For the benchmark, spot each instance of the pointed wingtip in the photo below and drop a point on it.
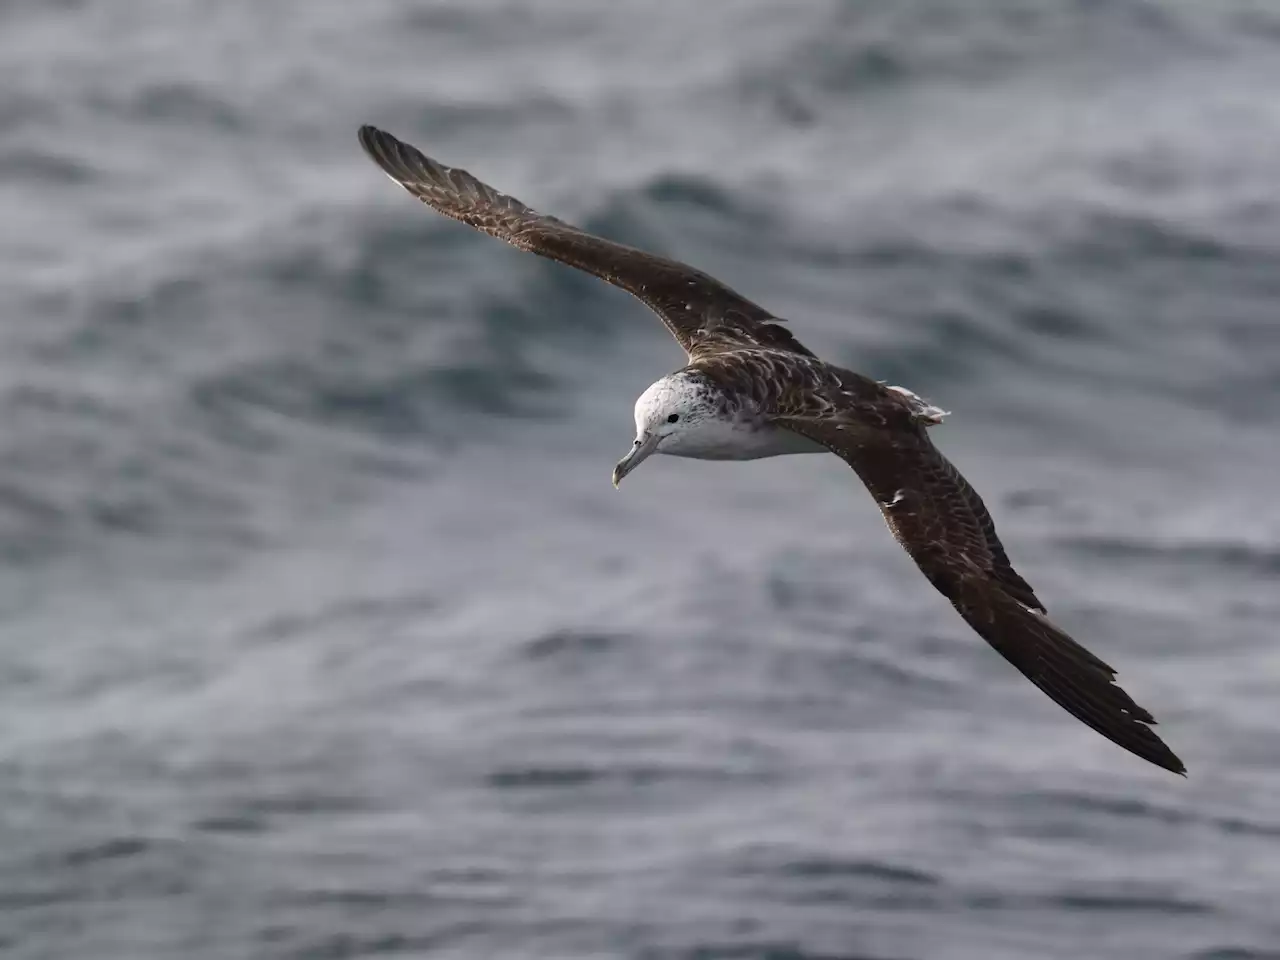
(1165, 758)
(1072, 676)
(370, 137)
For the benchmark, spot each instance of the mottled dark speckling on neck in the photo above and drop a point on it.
(721, 396)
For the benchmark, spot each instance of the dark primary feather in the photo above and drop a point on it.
(703, 314)
(943, 525)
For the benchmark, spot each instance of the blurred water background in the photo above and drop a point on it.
(324, 634)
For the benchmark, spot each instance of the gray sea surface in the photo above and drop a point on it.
(324, 635)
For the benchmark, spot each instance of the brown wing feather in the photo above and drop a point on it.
(703, 314)
(943, 525)
(845, 406)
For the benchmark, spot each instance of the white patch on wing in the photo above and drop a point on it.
(922, 409)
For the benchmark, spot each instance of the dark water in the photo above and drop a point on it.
(324, 634)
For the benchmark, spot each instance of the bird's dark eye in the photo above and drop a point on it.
(673, 418)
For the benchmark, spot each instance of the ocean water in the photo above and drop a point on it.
(324, 635)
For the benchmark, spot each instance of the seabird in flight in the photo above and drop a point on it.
(751, 390)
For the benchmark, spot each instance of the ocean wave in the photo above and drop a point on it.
(1246, 558)
(301, 573)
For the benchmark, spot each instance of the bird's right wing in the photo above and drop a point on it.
(941, 522)
(703, 314)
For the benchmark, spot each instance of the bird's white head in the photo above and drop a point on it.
(668, 416)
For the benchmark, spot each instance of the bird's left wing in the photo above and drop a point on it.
(703, 314)
(942, 523)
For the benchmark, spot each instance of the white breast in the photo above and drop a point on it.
(714, 439)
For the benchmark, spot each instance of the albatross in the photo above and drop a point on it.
(750, 389)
